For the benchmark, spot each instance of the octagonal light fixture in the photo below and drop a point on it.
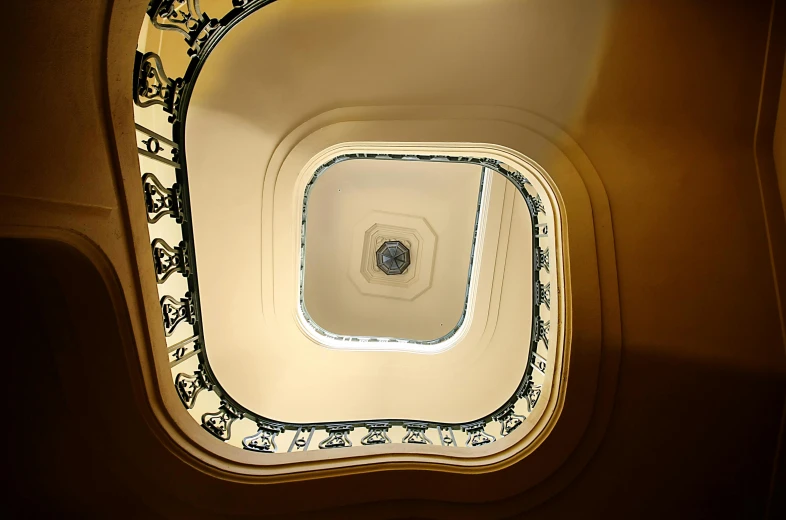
(393, 257)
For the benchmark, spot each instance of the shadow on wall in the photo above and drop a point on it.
(670, 130)
(682, 444)
(78, 445)
(69, 436)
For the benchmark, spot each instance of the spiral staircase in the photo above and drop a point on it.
(430, 259)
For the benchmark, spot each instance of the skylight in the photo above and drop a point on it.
(358, 208)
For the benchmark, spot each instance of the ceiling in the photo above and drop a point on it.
(258, 348)
(247, 225)
(357, 205)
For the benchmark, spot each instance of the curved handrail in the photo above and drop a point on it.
(154, 87)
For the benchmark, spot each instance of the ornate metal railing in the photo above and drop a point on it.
(170, 202)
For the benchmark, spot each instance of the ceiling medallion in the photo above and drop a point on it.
(393, 257)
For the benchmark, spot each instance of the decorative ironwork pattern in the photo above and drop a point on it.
(160, 201)
(508, 420)
(338, 437)
(183, 350)
(302, 439)
(264, 440)
(541, 327)
(177, 312)
(476, 434)
(530, 393)
(538, 363)
(189, 386)
(542, 259)
(152, 87)
(377, 434)
(185, 17)
(543, 295)
(168, 259)
(537, 204)
(446, 436)
(416, 434)
(220, 423)
(155, 146)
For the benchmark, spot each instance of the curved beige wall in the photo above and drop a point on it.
(270, 366)
(242, 109)
(431, 205)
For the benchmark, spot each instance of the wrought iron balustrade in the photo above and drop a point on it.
(170, 202)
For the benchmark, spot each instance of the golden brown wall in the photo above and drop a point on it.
(779, 141)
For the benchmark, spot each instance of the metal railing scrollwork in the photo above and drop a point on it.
(170, 202)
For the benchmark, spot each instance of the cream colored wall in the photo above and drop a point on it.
(269, 365)
(360, 59)
(445, 196)
(242, 142)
